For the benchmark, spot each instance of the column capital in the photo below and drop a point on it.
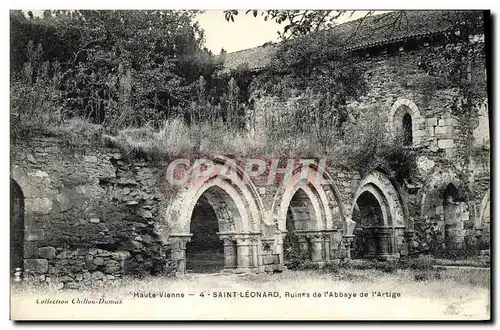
(179, 237)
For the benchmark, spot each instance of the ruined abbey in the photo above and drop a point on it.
(93, 213)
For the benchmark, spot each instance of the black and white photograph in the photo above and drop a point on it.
(250, 164)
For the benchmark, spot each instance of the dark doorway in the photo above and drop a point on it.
(451, 209)
(300, 214)
(368, 216)
(205, 252)
(16, 226)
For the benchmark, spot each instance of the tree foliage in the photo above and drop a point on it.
(119, 68)
(300, 23)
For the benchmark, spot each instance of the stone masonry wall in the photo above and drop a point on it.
(88, 212)
(443, 140)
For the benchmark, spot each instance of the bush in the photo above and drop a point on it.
(35, 105)
(421, 263)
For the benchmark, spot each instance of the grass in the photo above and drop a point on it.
(177, 139)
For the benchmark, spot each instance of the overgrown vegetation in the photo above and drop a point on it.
(147, 79)
(118, 69)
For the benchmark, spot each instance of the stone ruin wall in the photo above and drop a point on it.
(89, 213)
(444, 141)
(92, 214)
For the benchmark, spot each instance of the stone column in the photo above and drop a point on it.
(327, 238)
(178, 251)
(346, 241)
(257, 264)
(408, 236)
(370, 242)
(303, 246)
(383, 237)
(243, 253)
(316, 247)
(229, 253)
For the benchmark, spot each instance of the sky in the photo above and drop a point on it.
(245, 32)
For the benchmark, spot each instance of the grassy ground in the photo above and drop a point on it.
(453, 294)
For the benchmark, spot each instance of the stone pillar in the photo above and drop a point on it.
(178, 251)
(229, 253)
(347, 240)
(316, 248)
(370, 242)
(327, 239)
(383, 237)
(243, 253)
(408, 236)
(303, 246)
(257, 262)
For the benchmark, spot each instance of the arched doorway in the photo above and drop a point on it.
(300, 218)
(16, 226)
(374, 233)
(205, 251)
(454, 212)
(214, 216)
(369, 217)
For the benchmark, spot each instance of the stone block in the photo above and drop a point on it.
(37, 266)
(451, 122)
(98, 261)
(430, 131)
(121, 255)
(30, 250)
(97, 275)
(439, 130)
(432, 121)
(38, 205)
(34, 234)
(446, 143)
(450, 153)
(90, 158)
(64, 202)
(442, 122)
(112, 266)
(47, 252)
(31, 158)
(419, 133)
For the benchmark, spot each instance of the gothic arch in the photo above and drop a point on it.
(388, 195)
(485, 210)
(238, 194)
(323, 201)
(375, 191)
(433, 191)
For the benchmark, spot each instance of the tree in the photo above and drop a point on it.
(119, 68)
(299, 23)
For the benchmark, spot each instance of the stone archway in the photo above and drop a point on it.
(443, 205)
(482, 226)
(453, 210)
(16, 226)
(304, 216)
(310, 201)
(214, 213)
(380, 216)
(236, 207)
